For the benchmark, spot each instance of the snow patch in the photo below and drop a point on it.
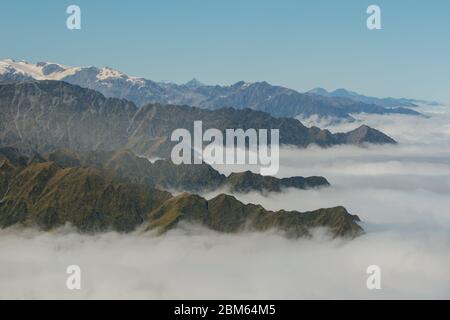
(35, 71)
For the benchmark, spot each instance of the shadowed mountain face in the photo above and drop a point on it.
(276, 100)
(49, 115)
(46, 195)
(42, 115)
(164, 119)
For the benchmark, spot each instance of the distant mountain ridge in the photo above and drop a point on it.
(49, 115)
(262, 96)
(384, 102)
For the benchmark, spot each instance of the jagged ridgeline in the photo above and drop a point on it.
(44, 116)
(164, 174)
(262, 96)
(92, 193)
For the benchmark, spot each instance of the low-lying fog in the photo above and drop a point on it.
(401, 193)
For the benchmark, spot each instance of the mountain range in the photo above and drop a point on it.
(164, 174)
(68, 154)
(261, 96)
(383, 102)
(43, 116)
(37, 192)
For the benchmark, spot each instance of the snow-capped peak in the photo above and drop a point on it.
(106, 72)
(38, 71)
(11, 69)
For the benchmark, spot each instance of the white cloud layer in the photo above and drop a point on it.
(402, 194)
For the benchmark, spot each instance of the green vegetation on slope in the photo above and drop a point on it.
(47, 195)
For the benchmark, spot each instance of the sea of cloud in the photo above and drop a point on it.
(401, 193)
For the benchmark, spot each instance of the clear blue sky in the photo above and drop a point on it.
(294, 43)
